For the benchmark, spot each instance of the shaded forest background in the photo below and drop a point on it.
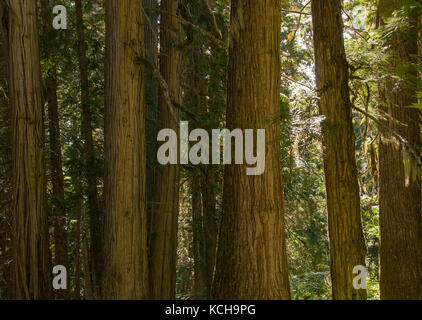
(187, 62)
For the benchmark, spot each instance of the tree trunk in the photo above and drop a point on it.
(95, 217)
(166, 196)
(126, 271)
(252, 262)
(58, 204)
(200, 275)
(55, 159)
(31, 272)
(88, 294)
(210, 226)
(78, 250)
(347, 243)
(400, 179)
(5, 165)
(151, 48)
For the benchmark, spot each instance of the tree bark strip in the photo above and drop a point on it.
(31, 272)
(126, 271)
(5, 163)
(399, 177)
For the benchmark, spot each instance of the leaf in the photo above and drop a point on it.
(290, 36)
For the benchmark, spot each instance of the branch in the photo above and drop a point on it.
(157, 75)
(209, 34)
(402, 140)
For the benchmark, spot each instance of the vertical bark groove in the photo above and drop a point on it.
(126, 271)
(30, 231)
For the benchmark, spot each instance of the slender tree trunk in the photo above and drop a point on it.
(78, 250)
(151, 48)
(95, 216)
(5, 167)
(210, 226)
(31, 272)
(166, 196)
(58, 204)
(126, 271)
(55, 159)
(400, 179)
(252, 262)
(88, 294)
(347, 244)
(200, 275)
(208, 183)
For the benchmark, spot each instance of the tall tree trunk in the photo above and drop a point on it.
(55, 159)
(95, 216)
(126, 271)
(208, 182)
(88, 294)
(210, 226)
(5, 164)
(400, 179)
(58, 204)
(347, 243)
(151, 48)
(78, 250)
(252, 262)
(31, 272)
(200, 275)
(166, 195)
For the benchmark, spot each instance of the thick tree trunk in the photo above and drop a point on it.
(347, 243)
(95, 216)
(252, 262)
(31, 272)
(126, 271)
(400, 179)
(166, 195)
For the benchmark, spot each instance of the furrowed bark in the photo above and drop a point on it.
(126, 271)
(251, 260)
(31, 272)
(399, 177)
